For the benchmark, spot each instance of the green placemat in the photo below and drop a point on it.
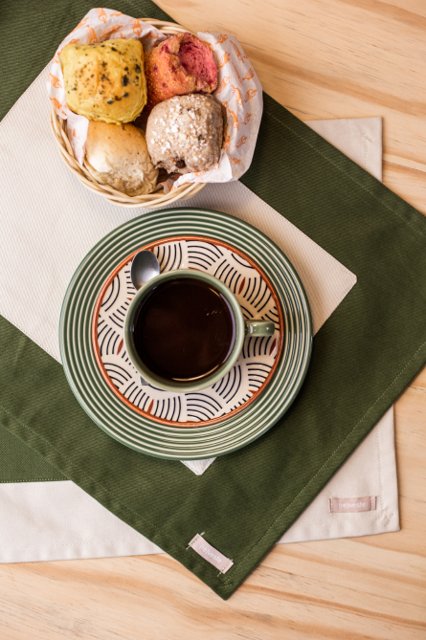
(364, 356)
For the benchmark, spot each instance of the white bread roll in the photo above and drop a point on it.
(117, 155)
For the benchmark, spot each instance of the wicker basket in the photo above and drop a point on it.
(151, 200)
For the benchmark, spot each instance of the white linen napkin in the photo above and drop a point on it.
(49, 222)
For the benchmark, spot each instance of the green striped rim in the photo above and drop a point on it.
(139, 432)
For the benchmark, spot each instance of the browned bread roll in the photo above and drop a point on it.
(105, 81)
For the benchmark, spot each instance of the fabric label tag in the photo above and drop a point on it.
(352, 505)
(210, 553)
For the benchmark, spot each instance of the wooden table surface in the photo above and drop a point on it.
(320, 59)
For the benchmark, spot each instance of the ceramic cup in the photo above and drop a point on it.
(241, 329)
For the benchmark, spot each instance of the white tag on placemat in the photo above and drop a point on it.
(210, 554)
(352, 505)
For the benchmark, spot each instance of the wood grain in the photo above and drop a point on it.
(328, 59)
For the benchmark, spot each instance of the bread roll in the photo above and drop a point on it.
(185, 133)
(117, 155)
(105, 81)
(180, 64)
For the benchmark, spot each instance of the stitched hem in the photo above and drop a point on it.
(32, 480)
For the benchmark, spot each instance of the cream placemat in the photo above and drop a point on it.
(50, 221)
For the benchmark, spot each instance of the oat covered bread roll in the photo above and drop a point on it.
(116, 154)
(180, 64)
(185, 133)
(105, 81)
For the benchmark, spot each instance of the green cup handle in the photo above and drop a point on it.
(259, 328)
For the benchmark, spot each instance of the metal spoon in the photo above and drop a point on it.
(144, 267)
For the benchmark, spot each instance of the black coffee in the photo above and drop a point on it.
(183, 330)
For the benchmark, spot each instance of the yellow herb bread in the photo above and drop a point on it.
(105, 81)
(117, 155)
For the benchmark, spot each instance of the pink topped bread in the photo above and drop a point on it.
(180, 64)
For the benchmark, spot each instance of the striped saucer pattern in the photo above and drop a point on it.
(245, 380)
(119, 419)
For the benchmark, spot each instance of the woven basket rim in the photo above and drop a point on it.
(153, 200)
